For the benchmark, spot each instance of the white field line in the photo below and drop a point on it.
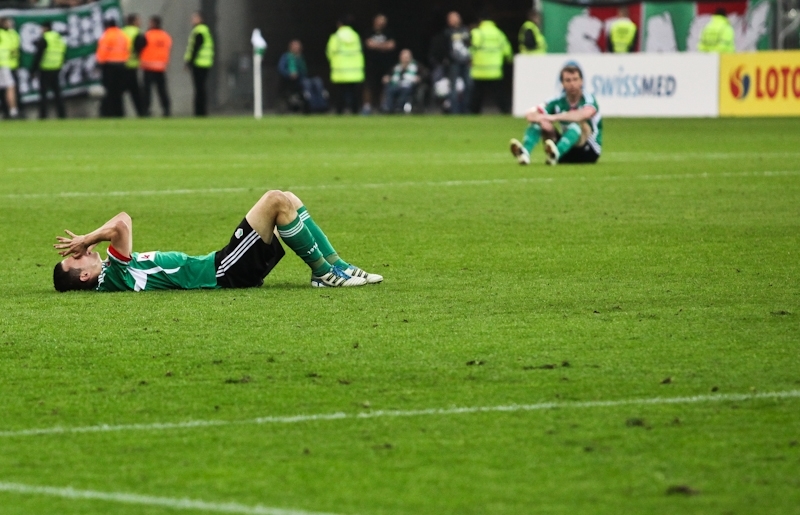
(407, 184)
(148, 500)
(191, 424)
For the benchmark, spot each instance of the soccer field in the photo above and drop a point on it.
(618, 338)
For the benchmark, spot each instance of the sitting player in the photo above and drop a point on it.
(252, 253)
(581, 125)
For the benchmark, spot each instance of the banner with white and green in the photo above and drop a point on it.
(664, 26)
(81, 27)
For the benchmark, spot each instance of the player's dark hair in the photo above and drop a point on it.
(131, 18)
(156, 21)
(68, 280)
(110, 22)
(721, 11)
(46, 25)
(571, 68)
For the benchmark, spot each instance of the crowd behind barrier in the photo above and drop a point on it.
(465, 67)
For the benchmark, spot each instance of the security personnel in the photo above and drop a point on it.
(12, 43)
(622, 34)
(113, 51)
(49, 58)
(7, 82)
(490, 49)
(154, 60)
(718, 35)
(199, 57)
(346, 59)
(531, 39)
(136, 43)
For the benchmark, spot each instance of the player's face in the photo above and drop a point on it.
(572, 83)
(90, 261)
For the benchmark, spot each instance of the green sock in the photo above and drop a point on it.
(302, 242)
(571, 136)
(532, 134)
(324, 245)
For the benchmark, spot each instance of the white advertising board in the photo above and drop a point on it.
(646, 85)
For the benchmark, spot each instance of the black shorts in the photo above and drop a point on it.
(246, 260)
(584, 154)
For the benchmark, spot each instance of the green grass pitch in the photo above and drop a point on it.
(669, 271)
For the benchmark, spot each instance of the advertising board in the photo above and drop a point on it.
(760, 84)
(653, 85)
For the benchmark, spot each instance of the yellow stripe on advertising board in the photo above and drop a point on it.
(760, 84)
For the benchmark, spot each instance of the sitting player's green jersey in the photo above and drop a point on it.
(156, 271)
(560, 104)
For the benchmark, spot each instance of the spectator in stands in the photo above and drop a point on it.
(457, 60)
(622, 34)
(292, 69)
(718, 35)
(347, 65)
(531, 39)
(402, 84)
(136, 43)
(380, 56)
(490, 49)
(48, 60)
(154, 60)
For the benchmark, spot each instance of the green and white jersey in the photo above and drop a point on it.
(560, 104)
(156, 270)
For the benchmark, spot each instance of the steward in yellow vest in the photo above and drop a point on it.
(50, 51)
(718, 35)
(490, 49)
(199, 57)
(9, 59)
(345, 55)
(531, 39)
(346, 59)
(136, 42)
(622, 34)
(200, 50)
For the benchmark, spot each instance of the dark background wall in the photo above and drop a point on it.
(413, 22)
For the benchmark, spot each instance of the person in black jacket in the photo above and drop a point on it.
(48, 79)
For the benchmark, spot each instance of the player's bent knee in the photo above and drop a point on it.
(294, 199)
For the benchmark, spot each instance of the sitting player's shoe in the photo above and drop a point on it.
(336, 278)
(520, 152)
(551, 150)
(354, 271)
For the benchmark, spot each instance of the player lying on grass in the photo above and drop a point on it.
(578, 114)
(251, 254)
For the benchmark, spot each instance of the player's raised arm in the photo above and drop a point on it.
(118, 231)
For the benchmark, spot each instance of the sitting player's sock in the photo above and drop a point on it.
(571, 136)
(324, 245)
(532, 135)
(301, 241)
